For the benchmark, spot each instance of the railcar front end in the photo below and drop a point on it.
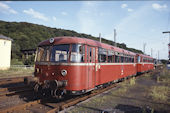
(60, 69)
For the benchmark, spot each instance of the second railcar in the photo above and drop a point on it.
(144, 63)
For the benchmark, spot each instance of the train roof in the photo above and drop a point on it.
(72, 40)
(146, 56)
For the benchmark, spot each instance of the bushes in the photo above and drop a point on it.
(29, 60)
(16, 62)
(159, 93)
(24, 61)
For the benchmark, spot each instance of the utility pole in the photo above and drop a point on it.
(144, 45)
(100, 37)
(115, 37)
(168, 43)
(151, 52)
(158, 55)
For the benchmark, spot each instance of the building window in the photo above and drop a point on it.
(4, 43)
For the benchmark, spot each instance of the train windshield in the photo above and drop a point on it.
(60, 53)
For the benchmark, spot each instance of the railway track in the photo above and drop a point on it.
(12, 80)
(71, 102)
(14, 90)
(56, 106)
(12, 86)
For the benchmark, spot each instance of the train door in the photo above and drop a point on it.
(91, 67)
(122, 66)
(138, 63)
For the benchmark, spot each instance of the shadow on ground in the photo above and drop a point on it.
(120, 108)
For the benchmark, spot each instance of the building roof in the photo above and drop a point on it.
(4, 37)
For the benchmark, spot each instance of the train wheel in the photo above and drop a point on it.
(57, 94)
(38, 91)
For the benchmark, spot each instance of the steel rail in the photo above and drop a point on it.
(14, 92)
(12, 80)
(21, 106)
(13, 88)
(71, 102)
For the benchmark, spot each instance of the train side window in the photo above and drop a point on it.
(139, 59)
(93, 54)
(143, 59)
(43, 53)
(151, 60)
(47, 54)
(125, 59)
(102, 55)
(40, 52)
(122, 59)
(132, 59)
(90, 57)
(128, 59)
(77, 53)
(117, 59)
(82, 52)
(110, 56)
(87, 54)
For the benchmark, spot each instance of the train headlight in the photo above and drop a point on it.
(64, 72)
(51, 40)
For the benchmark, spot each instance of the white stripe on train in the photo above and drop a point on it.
(85, 64)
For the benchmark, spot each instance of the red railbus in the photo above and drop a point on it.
(144, 63)
(72, 65)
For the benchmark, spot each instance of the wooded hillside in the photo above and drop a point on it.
(27, 36)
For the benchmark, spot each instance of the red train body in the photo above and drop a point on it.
(77, 65)
(144, 63)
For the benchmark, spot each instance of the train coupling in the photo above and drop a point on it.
(54, 84)
(30, 80)
(52, 87)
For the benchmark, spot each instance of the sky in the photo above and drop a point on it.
(136, 22)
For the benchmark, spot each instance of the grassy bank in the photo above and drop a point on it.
(16, 72)
(161, 92)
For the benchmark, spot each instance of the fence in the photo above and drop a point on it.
(23, 66)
